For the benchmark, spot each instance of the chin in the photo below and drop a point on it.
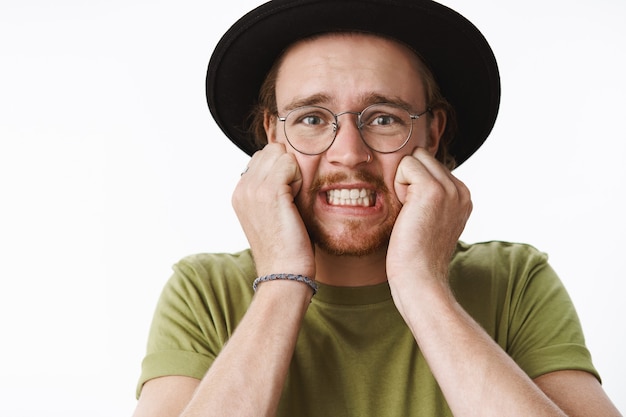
(351, 241)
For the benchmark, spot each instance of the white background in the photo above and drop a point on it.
(111, 169)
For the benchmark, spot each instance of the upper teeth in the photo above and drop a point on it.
(352, 197)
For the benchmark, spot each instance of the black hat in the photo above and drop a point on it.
(457, 53)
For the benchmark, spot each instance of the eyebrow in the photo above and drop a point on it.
(314, 100)
(366, 100)
(373, 98)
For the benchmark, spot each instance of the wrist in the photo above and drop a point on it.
(285, 277)
(417, 295)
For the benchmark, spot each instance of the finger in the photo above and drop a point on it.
(420, 172)
(455, 188)
(272, 171)
(414, 174)
(434, 167)
(284, 169)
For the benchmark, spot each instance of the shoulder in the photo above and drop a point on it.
(213, 277)
(217, 265)
(488, 278)
(496, 258)
(204, 298)
(497, 248)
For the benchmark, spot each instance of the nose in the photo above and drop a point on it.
(348, 148)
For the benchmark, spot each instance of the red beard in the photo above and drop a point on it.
(355, 237)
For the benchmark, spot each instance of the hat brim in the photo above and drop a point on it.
(460, 58)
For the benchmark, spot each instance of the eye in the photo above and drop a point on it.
(311, 120)
(385, 117)
(382, 120)
(310, 117)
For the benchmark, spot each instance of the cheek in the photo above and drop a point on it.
(389, 166)
(278, 136)
(390, 163)
(422, 138)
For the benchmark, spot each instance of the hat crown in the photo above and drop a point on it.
(460, 58)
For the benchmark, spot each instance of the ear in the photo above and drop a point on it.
(436, 128)
(269, 124)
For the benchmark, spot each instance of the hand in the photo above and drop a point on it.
(436, 206)
(264, 203)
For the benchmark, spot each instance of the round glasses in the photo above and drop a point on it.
(384, 127)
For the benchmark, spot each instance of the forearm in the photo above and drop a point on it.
(247, 377)
(476, 376)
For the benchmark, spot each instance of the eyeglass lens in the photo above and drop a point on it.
(383, 127)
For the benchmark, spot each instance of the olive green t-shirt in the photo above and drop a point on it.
(355, 356)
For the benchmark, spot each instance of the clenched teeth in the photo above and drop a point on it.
(351, 197)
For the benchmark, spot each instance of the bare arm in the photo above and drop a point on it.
(166, 396)
(577, 393)
(247, 377)
(479, 378)
(476, 376)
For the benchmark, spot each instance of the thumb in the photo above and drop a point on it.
(402, 179)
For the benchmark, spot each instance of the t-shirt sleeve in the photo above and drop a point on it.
(195, 316)
(517, 297)
(545, 333)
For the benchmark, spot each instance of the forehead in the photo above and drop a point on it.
(344, 66)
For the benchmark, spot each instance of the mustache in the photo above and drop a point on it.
(376, 181)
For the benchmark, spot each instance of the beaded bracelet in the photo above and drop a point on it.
(292, 277)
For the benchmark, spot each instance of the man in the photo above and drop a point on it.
(356, 297)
